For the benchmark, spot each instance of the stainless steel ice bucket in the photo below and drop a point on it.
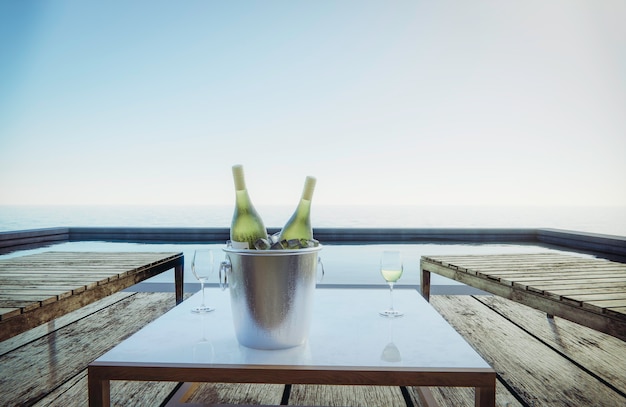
(271, 295)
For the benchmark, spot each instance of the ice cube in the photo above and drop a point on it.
(262, 244)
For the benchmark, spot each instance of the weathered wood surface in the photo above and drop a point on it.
(56, 324)
(589, 291)
(602, 355)
(37, 368)
(235, 393)
(38, 288)
(62, 377)
(346, 396)
(566, 365)
(544, 362)
(464, 396)
(73, 393)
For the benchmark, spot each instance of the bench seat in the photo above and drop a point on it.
(585, 290)
(38, 288)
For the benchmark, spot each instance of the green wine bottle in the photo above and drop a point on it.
(246, 227)
(298, 227)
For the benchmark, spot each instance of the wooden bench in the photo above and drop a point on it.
(38, 288)
(588, 291)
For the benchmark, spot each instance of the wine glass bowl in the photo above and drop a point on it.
(391, 269)
(202, 268)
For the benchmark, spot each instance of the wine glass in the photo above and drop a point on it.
(391, 269)
(202, 268)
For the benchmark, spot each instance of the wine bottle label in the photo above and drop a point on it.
(239, 245)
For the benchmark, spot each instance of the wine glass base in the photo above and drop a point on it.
(202, 310)
(391, 313)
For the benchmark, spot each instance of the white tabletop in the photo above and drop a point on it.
(346, 330)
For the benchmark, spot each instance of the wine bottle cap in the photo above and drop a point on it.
(240, 182)
(309, 186)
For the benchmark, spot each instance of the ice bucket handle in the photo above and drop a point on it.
(225, 268)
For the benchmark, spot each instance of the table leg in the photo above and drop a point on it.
(425, 283)
(485, 396)
(178, 281)
(99, 391)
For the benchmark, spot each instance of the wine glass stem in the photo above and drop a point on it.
(391, 296)
(202, 289)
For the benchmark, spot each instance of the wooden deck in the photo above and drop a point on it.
(589, 291)
(539, 361)
(38, 288)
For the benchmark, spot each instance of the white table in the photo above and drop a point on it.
(346, 346)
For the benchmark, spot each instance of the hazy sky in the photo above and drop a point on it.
(402, 102)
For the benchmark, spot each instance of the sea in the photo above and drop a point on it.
(609, 220)
(341, 264)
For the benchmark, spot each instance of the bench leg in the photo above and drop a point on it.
(425, 284)
(178, 282)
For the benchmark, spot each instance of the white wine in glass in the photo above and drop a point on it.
(202, 268)
(391, 269)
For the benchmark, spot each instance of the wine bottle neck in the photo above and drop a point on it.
(240, 181)
(309, 187)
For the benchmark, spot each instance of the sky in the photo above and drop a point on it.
(449, 102)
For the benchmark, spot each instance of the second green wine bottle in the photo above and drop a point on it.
(299, 225)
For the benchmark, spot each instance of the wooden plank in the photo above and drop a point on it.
(43, 299)
(348, 396)
(552, 279)
(78, 281)
(73, 393)
(236, 393)
(464, 396)
(56, 324)
(560, 275)
(535, 372)
(548, 285)
(549, 269)
(14, 294)
(601, 354)
(36, 286)
(584, 289)
(575, 284)
(586, 297)
(58, 357)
